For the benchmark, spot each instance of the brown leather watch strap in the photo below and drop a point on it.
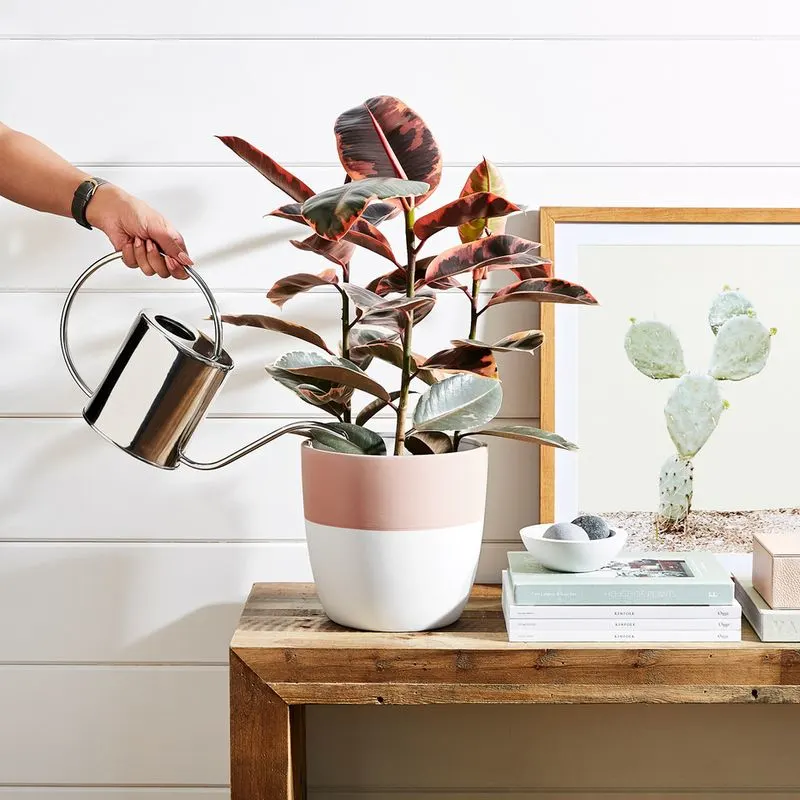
(83, 194)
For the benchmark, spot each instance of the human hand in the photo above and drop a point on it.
(139, 232)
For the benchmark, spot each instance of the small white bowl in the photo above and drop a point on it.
(566, 556)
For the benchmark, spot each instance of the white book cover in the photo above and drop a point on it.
(657, 612)
(649, 637)
(770, 624)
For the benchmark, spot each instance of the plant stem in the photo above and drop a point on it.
(474, 313)
(408, 364)
(346, 339)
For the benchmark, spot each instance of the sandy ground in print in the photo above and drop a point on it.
(717, 531)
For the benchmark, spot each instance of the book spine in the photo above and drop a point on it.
(651, 637)
(623, 612)
(634, 626)
(694, 594)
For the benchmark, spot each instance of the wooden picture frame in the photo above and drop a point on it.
(552, 221)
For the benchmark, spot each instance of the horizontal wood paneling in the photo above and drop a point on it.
(220, 211)
(36, 380)
(632, 749)
(114, 725)
(157, 603)
(66, 482)
(621, 101)
(449, 18)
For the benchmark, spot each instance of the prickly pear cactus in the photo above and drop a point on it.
(741, 349)
(675, 487)
(655, 350)
(694, 408)
(727, 304)
(692, 413)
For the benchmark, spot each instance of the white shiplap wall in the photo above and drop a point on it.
(119, 585)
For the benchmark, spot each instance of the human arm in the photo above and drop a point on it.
(32, 175)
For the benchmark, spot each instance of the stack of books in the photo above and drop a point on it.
(652, 597)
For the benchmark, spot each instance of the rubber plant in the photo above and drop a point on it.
(393, 166)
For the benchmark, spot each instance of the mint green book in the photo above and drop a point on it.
(678, 579)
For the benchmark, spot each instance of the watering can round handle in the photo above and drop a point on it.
(201, 284)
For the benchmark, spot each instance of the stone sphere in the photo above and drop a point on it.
(595, 527)
(566, 532)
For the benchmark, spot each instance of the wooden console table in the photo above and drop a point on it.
(286, 654)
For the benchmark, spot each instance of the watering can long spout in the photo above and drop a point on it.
(160, 385)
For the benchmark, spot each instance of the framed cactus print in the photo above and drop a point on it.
(681, 386)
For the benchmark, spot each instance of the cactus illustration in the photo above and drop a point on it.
(694, 409)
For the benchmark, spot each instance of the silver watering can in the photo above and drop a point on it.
(160, 384)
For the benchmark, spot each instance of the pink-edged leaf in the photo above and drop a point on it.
(376, 213)
(323, 394)
(383, 137)
(523, 341)
(526, 433)
(395, 281)
(269, 168)
(363, 299)
(362, 336)
(542, 290)
(458, 212)
(393, 313)
(464, 358)
(392, 353)
(338, 252)
(279, 326)
(483, 178)
(333, 213)
(373, 408)
(493, 252)
(339, 371)
(286, 288)
(363, 233)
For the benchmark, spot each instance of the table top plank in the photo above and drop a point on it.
(286, 639)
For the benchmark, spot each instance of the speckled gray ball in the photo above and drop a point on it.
(566, 532)
(595, 527)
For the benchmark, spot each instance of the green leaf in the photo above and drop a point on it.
(278, 325)
(429, 443)
(360, 441)
(328, 396)
(333, 212)
(329, 368)
(458, 403)
(525, 433)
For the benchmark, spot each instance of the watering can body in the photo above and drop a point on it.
(160, 384)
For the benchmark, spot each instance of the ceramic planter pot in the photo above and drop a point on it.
(394, 541)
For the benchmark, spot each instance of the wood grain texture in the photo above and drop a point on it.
(285, 638)
(549, 218)
(267, 740)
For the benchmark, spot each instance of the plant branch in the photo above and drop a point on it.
(346, 417)
(408, 365)
(474, 313)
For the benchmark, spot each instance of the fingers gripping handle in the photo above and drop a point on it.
(65, 351)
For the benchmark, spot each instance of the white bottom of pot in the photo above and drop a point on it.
(411, 580)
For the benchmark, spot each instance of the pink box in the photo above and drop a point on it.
(776, 568)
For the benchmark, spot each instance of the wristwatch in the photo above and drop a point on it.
(83, 194)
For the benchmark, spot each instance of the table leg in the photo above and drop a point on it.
(267, 740)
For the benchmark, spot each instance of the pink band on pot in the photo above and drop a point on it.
(394, 493)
